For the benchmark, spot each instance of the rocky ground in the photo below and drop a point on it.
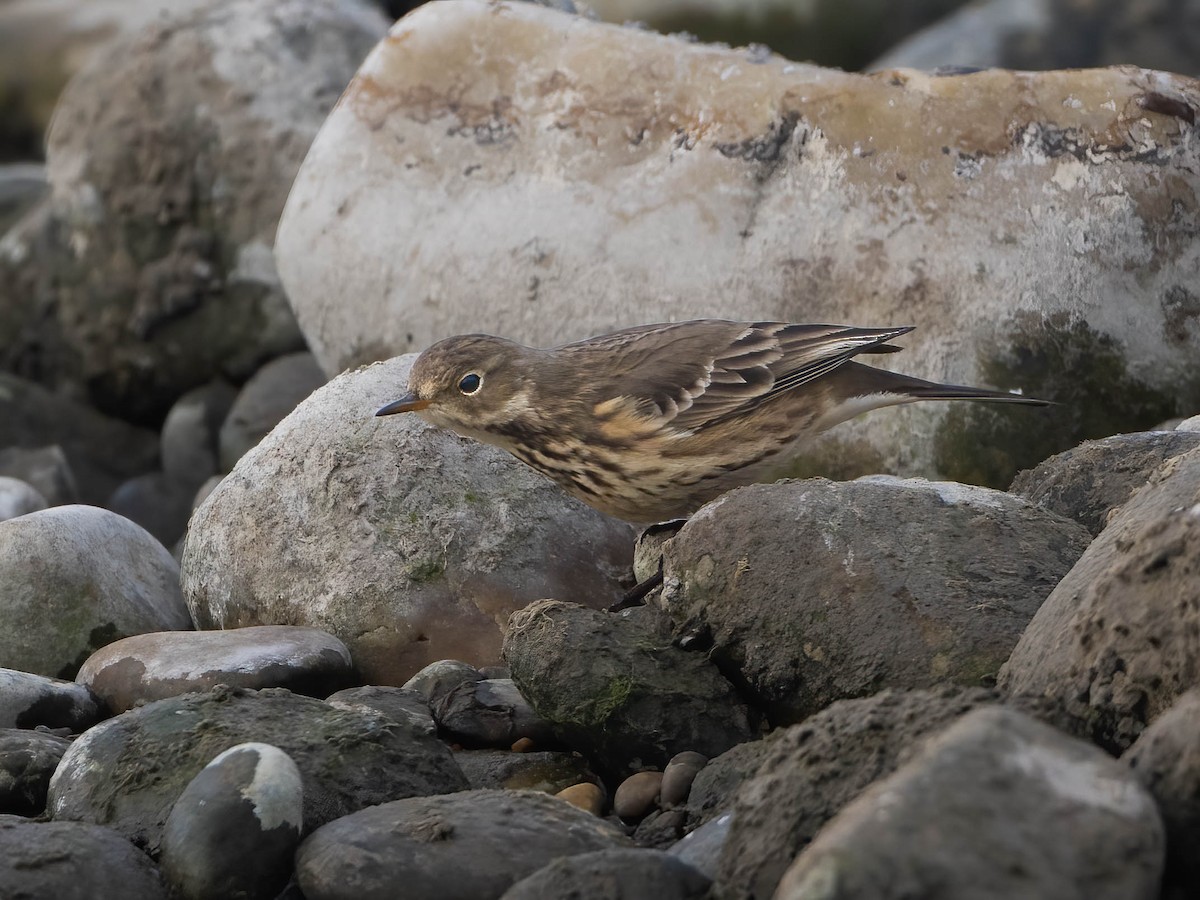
(260, 643)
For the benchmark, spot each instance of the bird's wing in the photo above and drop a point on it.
(691, 375)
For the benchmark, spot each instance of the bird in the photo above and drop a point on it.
(650, 423)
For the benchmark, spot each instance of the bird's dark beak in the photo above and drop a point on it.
(410, 402)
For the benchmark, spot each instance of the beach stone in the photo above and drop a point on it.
(401, 704)
(637, 794)
(169, 157)
(77, 578)
(270, 394)
(27, 760)
(159, 504)
(813, 591)
(1191, 424)
(548, 771)
(1118, 640)
(617, 689)
(28, 700)
(997, 805)
(455, 845)
(406, 542)
(149, 667)
(586, 796)
(189, 434)
(128, 772)
(490, 712)
(1088, 482)
(1166, 760)
(613, 875)
(235, 828)
(17, 498)
(718, 782)
(73, 861)
(436, 680)
(1013, 229)
(679, 775)
(45, 468)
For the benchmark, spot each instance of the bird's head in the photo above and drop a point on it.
(471, 383)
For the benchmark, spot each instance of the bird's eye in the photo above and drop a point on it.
(470, 384)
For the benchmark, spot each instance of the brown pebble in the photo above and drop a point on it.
(587, 796)
(637, 794)
(678, 776)
(523, 745)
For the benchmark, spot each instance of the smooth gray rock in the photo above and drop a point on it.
(613, 875)
(18, 497)
(128, 772)
(997, 805)
(28, 700)
(27, 760)
(813, 591)
(45, 468)
(77, 578)
(460, 845)
(149, 667)
(271, 393)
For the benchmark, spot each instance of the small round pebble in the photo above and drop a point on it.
(523, 745)
(678, 776)
(586, 796)
(637, 795)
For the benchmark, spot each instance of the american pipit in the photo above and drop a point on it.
(650, 423)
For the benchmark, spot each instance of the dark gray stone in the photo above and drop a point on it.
(613, 875)
(718, 782)
(401, 704)
(813, 591)
(128, 772)
(490, 712)
(617, 689)
(188, 438)
(27, 760)
(471, 846)
(28, 700)
(155, 502)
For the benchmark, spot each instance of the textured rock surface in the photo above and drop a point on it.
(77, 578)
(1089, 481)
(471, 845)
(27, 701)
(812, 591)
(997, 805)
(408, 543)
(613, 875)
(1119, 638)
(588, 177)
(616, 689)
(27, 760)
(154, 666)
(127, 772)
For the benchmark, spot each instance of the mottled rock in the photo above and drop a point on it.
(812, 591)
(997, 805)
(270, 394)
(234, 830)
(637, 794)
(617, 689)
(27, 701)
(17, 498)
(1166, 760)
(456, 845)
(401, 704)
(405, 541)
(1088, 482)
(127, 772)
(1015, 225)
(73, 861)
(77, 578)
(679, 775)
(154, 666)
(439, 678)
(490, 712)
(1118, 641)
(613, 875)
(27, 760)
(152, 271)
(548, 771)
(45, 468)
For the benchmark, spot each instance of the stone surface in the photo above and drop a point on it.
(637, 795)
(17, 498)
(463, 845)
(159, 504)
(189, 435)
(812, 591)
(548, 771)
(1118, 640)
(270, 394)
(27, 760)
(127, 772)
(407, 542)
(27, 701)
(77, 578)
(1166, 760)
(234, 830)
(102, 452)
(73, 861)
(46, 468)
(997, 805)
(586, 796)
(149, 667)
(169, 157)
(1088, 482)
(591, 177)
(807, 773)
(616, 688)
(717, 783)
(1191, 424)
(401, 704)
(437, 679)
(613, 875)
(490, 713)
(679, 775)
